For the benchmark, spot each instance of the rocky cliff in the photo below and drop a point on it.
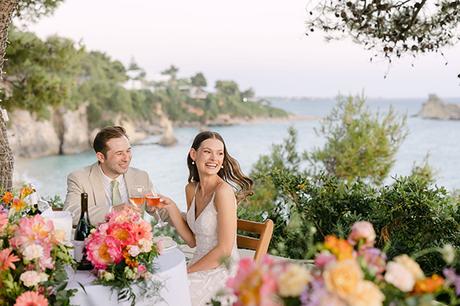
(67, 132)
(435, 108)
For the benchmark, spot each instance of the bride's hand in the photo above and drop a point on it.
(166, 202)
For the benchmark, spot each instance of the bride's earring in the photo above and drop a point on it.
(193, 162)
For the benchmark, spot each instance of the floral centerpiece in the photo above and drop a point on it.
(33, 255)
(122, 251)
(345, 273)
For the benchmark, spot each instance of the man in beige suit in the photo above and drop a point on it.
(108, 182)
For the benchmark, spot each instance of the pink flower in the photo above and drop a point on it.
(123, 233)
(254, 284)
(7, 260)
(362, 231)
(31, 298)
(323, 259)
(103, 250)
(142, 230)
(375, 260)
(33, 230)
(3, 221)
(32, 278)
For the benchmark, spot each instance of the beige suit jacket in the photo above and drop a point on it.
(89, 180)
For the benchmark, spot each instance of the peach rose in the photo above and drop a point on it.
(342, 277)
(362, 230)
(366, 294)
(399, 276)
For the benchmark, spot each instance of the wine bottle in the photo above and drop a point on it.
(82, 232)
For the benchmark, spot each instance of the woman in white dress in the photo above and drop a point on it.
(215, 186)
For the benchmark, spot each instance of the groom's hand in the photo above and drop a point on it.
(125, 206)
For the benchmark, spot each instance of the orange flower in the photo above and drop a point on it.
(18, 204)
(429, 284)
(25, 191)
(131, 262)
(31, 298)
(7, 197)
(341, 248)
(7, 260)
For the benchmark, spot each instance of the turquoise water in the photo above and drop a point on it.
(167, 166)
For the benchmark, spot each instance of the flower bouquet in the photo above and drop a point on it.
(122, 252)
(345, 273)
(33, 256)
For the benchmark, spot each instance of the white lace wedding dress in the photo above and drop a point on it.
(205, 284)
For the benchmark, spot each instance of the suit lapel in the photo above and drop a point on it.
(95, 178)
(130, 181)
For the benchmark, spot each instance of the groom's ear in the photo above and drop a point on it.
(100, 157)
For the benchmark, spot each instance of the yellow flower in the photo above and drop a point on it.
(366, 294)
(410, 265)
(342, 277)
(25, 191)
(293, 281)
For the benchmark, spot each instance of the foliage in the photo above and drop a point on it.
(359, 144)
(306, 205)
(33, 255)
(122, 251)
(39, 73)
(34, 9)
(199, 80)
(390, 28)
(345, 273)
(42, 75)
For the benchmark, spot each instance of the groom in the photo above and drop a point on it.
(108, 181)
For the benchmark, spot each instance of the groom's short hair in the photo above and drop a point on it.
(104, 135)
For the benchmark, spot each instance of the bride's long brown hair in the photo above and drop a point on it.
(230, 173)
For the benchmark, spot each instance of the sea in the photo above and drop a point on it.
(439, 140)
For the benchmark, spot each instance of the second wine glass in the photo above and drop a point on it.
(152, 206)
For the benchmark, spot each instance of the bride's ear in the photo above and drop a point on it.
(192, 153)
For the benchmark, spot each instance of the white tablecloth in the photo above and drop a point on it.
(171, 270)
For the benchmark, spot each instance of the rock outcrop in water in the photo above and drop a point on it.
(435, 108)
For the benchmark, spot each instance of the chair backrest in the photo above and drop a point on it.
(260, 245)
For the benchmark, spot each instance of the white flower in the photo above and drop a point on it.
(32, 278)
(293, 281)
(146, 245)
(448, 253)
(32, 251)
(107, 276)
(134, 250)
(399, 276)
(410, 265)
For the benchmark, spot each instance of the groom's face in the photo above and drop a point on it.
(118, 157)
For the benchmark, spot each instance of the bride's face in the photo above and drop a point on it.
(209, 156)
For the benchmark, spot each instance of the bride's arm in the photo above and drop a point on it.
(226, 230)
(177, 218)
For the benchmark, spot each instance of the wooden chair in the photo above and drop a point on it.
(260, 245)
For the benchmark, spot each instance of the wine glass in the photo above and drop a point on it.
(137, 196)
(152, 205)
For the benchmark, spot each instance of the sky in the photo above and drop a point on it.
(257, 43)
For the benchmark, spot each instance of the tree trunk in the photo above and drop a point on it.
(7, 8)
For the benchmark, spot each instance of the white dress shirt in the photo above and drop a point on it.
(106, 181)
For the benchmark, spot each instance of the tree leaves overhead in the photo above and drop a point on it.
(391, 28)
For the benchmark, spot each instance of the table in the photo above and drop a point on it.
(171, 271)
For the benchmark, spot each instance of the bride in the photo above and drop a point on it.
(215, 186)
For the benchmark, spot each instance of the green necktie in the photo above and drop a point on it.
(116, 196)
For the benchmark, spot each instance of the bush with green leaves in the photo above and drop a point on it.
(359, 143)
